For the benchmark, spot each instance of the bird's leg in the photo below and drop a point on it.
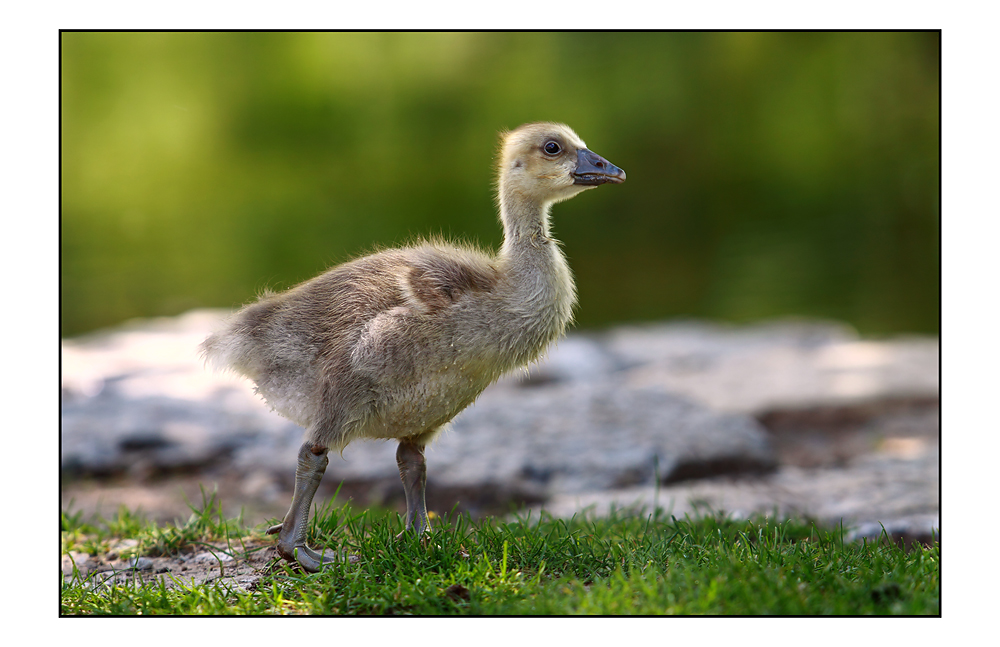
(292, 538)
(413, 472)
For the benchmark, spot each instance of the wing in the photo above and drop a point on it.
(437, 276)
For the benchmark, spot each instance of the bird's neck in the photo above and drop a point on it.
(540, 290)
(525, 222)
(525, 229)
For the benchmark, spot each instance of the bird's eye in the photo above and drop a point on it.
(552, 148)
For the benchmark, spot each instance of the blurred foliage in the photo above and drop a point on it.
(769, 174)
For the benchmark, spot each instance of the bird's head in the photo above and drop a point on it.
(548, 162)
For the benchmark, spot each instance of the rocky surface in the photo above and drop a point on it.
(787, 417)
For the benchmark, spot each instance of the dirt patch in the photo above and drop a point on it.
(237, 566)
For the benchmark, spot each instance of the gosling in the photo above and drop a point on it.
(396, 344)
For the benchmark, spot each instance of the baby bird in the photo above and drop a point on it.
(396, 344)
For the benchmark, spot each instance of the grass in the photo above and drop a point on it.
(621, 564)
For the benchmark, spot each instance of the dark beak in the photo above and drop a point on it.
(592, 169)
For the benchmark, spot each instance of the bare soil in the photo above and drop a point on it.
(238, 566)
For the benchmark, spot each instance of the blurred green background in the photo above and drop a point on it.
(769, 174)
